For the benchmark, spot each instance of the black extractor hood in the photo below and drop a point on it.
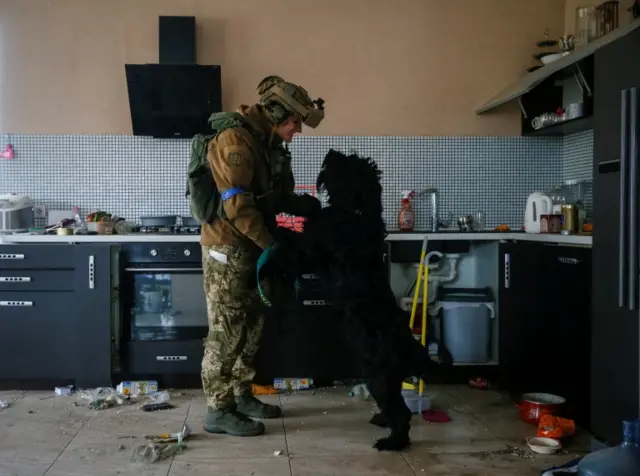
(176, 97)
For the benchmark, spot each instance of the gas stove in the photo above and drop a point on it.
(168, 230)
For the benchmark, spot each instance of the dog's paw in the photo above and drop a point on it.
(379, 419)
(392, 443)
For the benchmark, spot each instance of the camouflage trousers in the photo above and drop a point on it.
(235, 323)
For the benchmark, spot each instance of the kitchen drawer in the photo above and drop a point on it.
(36, 280)
(165, 357)
(54, 256)
(37, 335)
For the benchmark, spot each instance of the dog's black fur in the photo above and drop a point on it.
(344, 244)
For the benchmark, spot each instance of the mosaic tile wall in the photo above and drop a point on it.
(136, 176)
(577, 162)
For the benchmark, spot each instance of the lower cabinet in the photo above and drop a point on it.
(544, 330)
(56, 304)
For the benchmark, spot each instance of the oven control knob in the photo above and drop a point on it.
(187, 253)
(153, 252)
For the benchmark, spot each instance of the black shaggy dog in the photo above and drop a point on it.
(344, 244)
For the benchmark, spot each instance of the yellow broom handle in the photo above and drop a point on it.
(414, 304)
(425, 298)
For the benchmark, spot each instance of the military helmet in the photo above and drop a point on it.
(282, 100)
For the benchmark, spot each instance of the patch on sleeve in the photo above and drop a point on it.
(235, 156)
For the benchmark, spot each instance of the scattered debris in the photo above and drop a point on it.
(436, 416)
(170, 437)
(159, 447)
(68, 390)
(152, 452)
(4, 404)
(101, 398)
(139, 387)
(291, 384)
(157, 401)
(479, 383)
(277, 453)
(512, 451)
(361, 391)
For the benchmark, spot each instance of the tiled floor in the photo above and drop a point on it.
(322, 433)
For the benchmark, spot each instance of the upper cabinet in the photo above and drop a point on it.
(568, 80)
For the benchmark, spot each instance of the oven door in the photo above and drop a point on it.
(164, 304)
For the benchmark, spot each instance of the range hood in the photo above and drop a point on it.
(530, 80)
(175, 97)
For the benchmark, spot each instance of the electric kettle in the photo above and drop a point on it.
(538, 204)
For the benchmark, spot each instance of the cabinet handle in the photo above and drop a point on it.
(310, 276)
(507, 271)
(92, 266)
(315, 302)
(16, 303)
(14, 279)
(11, 256)
(633, 199)
(564, 260)
(171, 358)
(624, 201)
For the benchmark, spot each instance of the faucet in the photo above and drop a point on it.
(435, 223)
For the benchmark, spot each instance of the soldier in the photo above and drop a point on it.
(252, 172)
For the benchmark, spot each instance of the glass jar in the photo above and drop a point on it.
(585, 28)
(606, 17)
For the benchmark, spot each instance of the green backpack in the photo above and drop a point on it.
(202, 193)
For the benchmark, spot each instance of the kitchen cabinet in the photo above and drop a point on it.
(520, 305)
(56, 305)
(565, 345)
(544, 322)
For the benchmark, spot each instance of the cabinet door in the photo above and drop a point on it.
(36, 338)
(95, 307)
(566, 364)
(615, 68)
(520, 299)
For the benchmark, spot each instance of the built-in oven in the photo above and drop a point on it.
(164, 309)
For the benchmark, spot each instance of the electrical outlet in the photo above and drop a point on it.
(39, 211)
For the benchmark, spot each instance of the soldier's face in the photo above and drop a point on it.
(288, 129)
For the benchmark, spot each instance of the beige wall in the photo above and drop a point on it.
(384, 67)
(570, 12)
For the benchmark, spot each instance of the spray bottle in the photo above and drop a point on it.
(405, 217)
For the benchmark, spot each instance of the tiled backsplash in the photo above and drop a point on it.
(577, 162)
(136, 176)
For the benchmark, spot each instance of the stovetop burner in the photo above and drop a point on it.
(169, 230)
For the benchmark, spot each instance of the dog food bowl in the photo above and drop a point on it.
(543, 446)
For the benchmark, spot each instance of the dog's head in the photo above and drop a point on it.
(351, 182)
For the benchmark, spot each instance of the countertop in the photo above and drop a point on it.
(393, 236)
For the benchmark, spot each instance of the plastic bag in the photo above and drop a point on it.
(551, 426)
(101, 398)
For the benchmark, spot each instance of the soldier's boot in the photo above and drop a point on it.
(231, 422)
(254, 408)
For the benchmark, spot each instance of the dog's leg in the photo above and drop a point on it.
(380, 419)
(386, 392)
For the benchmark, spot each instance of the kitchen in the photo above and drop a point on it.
(483, 162)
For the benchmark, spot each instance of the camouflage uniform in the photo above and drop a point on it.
(250, 159)
(235, 324)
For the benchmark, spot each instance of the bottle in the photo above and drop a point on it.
(79, 225)
(622, 460)
(405, 217)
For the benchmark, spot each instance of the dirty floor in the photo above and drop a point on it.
(322, 433)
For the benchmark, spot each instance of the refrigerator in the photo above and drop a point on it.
(615, 319)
